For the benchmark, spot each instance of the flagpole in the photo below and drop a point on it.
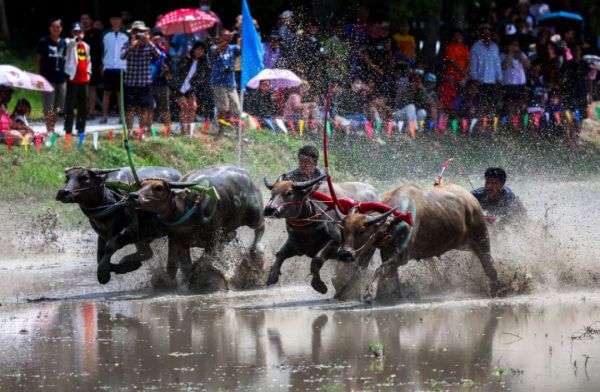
(240, 129)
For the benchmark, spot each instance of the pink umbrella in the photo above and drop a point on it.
(14, 77)
(280, 78)
(186, 21)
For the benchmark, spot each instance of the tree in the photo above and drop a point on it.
(4, 31)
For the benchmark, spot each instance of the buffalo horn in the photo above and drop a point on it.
(268, 184)
(372, 220)
(309, 183)
(180, 185)
(104, 171)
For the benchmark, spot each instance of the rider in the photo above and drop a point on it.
(498, 200)
(308, 156)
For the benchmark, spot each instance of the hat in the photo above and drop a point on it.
(76, 27)
(274, 34)
(430, 78)
(286, 14)
(138, 25)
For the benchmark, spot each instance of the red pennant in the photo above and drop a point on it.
(369, 129)
(38, 142)
(140, 133)
(515, 119)
(485, 121)
(9, 142)
(68, 138)
(111, 137)
(536, 119)
(292, 126)
(312, 124)
(464, 123)
(442, 124)
(205, 128)
(557, 117)
(390, 127)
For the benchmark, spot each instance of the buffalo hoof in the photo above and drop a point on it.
(273, 277)
(104, 273)
(318, 284)
(498, 290)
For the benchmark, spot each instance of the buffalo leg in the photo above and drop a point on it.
(258, 233)
(133, 261)
(385, 281)
(101, 249)
(172, 257)
(285, 252)
(481, 248)
(342, 289)
(112, 245)
(317, 263)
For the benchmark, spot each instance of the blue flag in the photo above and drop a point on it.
(252, 49)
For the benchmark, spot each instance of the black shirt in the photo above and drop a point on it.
(53, 59)
(297, 175)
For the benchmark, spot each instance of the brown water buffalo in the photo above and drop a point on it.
(312, 229)
(115, 223)
(445, 218)
(194, 219)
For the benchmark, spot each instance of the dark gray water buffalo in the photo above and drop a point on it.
(311, 227)
(115, 223)
(445, 218)
(194, 219)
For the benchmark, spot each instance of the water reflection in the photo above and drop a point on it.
(181, 343)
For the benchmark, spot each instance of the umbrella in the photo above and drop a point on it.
(593, 60)
(280, 78)
(186, 21)
(14, 77)
(562, 20)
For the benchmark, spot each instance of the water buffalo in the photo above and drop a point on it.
(115, 223)
(312, 231)
(194, 219)
(446, 218)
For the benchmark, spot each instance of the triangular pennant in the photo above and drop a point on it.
(454, 125)
(38, 142)
(369, 129)
(464, 124)
(495, 123)
(68, 138)
(292, 127)
(390, 127)
(9, 142)
(301, 127)
(53, 138)
(81, 136)
(281, 125)
(95, 140)
(25, 143)
(411, 127)
(400, 126)
(111, 137)
(472, 125)
(328, 128)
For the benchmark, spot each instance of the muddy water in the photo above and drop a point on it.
(290, 339)
(127, 336)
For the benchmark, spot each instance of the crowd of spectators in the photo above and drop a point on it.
(506, 65)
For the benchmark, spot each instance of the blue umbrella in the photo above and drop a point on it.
(552, 16)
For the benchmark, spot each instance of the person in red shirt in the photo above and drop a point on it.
(456, 61)
(78, 68)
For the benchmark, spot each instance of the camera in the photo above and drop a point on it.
(140, 36)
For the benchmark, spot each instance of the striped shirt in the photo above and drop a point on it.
(139, 60)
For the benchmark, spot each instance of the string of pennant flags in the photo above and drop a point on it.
(297, 128)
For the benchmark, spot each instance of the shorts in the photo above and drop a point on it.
(112, 79)
(161, 98)
(54, 101)
(227, 100)
(138, 96)
(96, 77)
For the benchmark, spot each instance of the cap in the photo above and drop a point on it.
(419, 71)
(510, 29)
(138, 25)
(286, 14)
(430, 78)
(76, 27)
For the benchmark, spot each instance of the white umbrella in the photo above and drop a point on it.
(14, 77)
(280, 78)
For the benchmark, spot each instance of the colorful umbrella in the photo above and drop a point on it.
(562, 20)
(280, 78)
(14, 77)
(186, 21)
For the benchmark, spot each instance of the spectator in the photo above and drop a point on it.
(160, 72)
(5, 97)
(215, 31)
(456, 69)
(19, 121)
(414, 104)
(50, 63)
(468, 104)
(336, 51)
(113, 65)
(404, 44)
(537, 9)
(376, 61)
(429, 88)
(272, 50)
(139, 53)
(485, 68)
(297, 107)
(12, 126)
(93, 37)
(515, 65)
(190, 87)
(259, 102)
(310, 57)
(78, 67)
(288, 55)
(222, 77)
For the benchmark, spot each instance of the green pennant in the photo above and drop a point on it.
(53, 138)
(210, 191)
(153, 132)
(454, 126)
(328, 128)
(525, 120)
(378, 127)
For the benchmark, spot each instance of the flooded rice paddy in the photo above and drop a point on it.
(61, 331)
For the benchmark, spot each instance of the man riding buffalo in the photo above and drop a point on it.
(115, 223)
(446, 218)
(195, 219)
(498, 200)
(307, 169)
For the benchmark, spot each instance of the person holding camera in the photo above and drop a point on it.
(222, 77)
(139, 53)
(78, 68)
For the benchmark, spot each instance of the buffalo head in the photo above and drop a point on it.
(156, 195)
(287, 197)
(359, 231)
(81, 182)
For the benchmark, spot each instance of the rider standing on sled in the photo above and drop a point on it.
(497, 200)
(308, 156)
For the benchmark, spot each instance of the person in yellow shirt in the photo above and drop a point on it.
(405, 44)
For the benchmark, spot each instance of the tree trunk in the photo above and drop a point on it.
(431, 38)
(4, 30)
